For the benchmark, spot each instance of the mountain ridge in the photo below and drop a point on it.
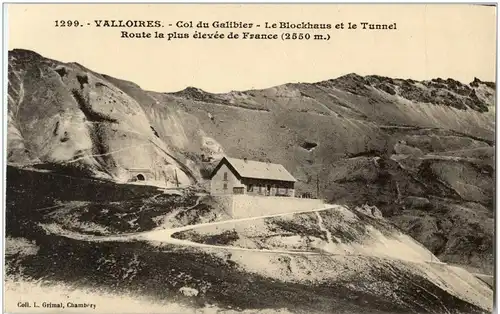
(353, 74)
(474, 81)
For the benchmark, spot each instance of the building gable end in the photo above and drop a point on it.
(224, 161)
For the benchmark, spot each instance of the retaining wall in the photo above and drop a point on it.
(243, 206)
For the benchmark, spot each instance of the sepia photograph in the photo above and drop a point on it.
(250, 158)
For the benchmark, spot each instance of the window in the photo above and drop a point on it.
(238, 190)
(225, 176)
(225, 186)
(250, 188)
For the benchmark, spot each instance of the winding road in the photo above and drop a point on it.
(163, 236)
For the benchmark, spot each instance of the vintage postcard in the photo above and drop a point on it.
(250, 158)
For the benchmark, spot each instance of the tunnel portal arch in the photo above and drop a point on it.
(140, 177)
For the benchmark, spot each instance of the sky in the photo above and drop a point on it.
(430, 41)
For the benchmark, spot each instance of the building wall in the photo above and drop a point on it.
(243, 206)
(217, 183)
(224, 202)
(276, 188)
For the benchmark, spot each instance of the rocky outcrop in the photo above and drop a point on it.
(64, 114)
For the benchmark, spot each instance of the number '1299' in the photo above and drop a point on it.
(68, 23)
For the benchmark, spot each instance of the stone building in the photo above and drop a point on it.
(241, 176)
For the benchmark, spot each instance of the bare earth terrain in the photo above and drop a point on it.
(190, 259)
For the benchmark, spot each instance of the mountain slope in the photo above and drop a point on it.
(422, 152)
(107, 238)
(67, 115)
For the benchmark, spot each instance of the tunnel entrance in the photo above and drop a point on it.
(140, 177)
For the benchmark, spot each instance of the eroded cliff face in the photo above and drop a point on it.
(66, 115)
(422, 152)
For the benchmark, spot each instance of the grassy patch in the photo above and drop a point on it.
(87, 205)
(304, 225)
(225, 238)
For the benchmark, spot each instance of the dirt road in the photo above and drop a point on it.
(162, 236)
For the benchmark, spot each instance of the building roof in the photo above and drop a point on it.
(259, 170)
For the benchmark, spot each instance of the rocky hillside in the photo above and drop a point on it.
(422, 152)
(354, 240)
(107, 241)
